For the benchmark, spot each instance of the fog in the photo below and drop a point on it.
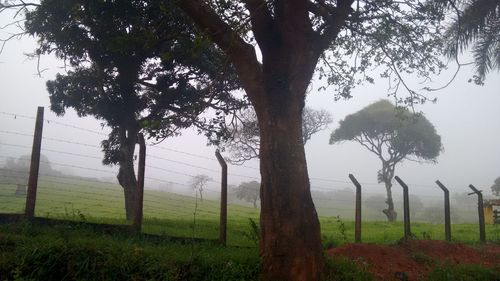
(466, 116)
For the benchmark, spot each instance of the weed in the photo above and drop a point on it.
(450, 272)
(343, 269)
(342, 229)
(254, 234)
(426, 235)
(422, 258)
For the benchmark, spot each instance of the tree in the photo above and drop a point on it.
(476, 26)
(249, 191)
(349, 37)
(245, 141)
(16, 170)
(199, 182)
(495, 188)
(393, 134)
(135, 65)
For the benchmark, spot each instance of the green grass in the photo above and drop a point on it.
(76, 252)
(174, 214)
(69, 252)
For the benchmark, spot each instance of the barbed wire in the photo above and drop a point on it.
(51, 121)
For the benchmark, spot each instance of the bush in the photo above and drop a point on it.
(342, 269)
(449, 272)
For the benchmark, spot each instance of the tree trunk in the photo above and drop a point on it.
(290, 244)
(255, 203)
(126, 174)
(389, 212)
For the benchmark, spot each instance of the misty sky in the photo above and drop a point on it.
(466, 116)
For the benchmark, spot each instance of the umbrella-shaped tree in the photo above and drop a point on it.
(393, 134)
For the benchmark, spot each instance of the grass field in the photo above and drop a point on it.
(184, 216)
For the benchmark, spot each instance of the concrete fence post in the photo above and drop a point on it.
(140, 184)
(480, 210)
(223, 199)
(447, 220)
(34, 165)
(406, 202)
(357, 216)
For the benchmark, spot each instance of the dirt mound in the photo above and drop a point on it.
(414, 259)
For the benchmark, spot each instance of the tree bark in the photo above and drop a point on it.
(390, 213)
(126, 174)
(290, 244)
(387, 176)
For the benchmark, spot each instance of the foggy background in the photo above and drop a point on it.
(466, 116)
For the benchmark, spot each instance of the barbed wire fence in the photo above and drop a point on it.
(77, 186)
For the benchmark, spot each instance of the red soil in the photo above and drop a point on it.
(414, 259)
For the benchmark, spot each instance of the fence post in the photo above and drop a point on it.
(34, 165)
(447, 220)
(357, 216)
(480, 210)
(406, 208)
(223, 199)
(140, 183)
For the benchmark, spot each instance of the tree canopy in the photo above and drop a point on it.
(198, 183)
(249, 191)
(137, 66)
(495, 188)
(392, 134)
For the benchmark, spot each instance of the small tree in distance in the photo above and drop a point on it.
(393, 134)
(495, 188)
(199, 182)
(249, 191)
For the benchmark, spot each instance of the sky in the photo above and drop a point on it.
(466, 116)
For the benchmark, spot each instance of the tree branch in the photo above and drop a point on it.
(241, 54)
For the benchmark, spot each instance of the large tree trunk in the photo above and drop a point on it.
(291, 242)
(290, 245)
(126, 174)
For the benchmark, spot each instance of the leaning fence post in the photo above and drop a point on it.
(480, 210)
(140, 183)
(447, 220)
(406, 202)
(357, 223)
(223, 199)
(34, 165)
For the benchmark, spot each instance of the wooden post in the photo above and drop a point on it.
(34, 165)
(406, 202)
(447, 220)
(480, 210)
(140, 183)
(223, 199)
(357, 216)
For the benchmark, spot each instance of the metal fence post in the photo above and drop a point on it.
(406, 208)
(447, 220)
(223, 199)
(140, 183)
(357, 223)
(480, 210)
(34, 165)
